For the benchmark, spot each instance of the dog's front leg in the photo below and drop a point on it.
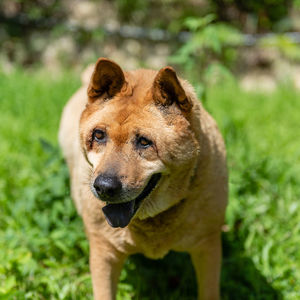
(105, 264)
(206, 258)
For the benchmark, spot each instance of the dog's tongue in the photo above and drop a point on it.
(119, 214)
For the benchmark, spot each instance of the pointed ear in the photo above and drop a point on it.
(107, 79)
(167, 89)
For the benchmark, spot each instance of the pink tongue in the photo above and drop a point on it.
(119, 214)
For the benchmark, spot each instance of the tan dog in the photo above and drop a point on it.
(148, 172)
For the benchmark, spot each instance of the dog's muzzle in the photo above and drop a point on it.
(120, 214)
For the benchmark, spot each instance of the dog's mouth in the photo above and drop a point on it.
(120, 214)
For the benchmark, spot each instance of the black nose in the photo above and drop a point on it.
(107, 187)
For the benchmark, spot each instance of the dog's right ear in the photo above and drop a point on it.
(106, 81)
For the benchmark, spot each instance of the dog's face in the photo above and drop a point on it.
(135, 134)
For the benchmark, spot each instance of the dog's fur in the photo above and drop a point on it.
(185, 211)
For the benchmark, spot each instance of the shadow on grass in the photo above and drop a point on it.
(173, 277)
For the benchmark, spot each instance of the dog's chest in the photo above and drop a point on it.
(155, 245)
(156, 251)
(155, 237)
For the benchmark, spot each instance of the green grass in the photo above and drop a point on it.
(43, 249)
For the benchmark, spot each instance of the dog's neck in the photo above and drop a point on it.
(164, 220)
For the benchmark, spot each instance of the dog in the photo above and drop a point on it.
(148, 172)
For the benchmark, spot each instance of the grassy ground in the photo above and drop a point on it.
(43, 250)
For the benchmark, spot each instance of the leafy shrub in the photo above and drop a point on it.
(209, 52)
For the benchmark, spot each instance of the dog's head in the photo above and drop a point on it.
(136, 135)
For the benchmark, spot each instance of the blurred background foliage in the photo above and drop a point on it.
(219, 36)
(243, 59)
(28, 27)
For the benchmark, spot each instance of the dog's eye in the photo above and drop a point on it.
(99, 136)
(143, 142)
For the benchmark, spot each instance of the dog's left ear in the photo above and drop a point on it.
(107, 79)
(167, 90)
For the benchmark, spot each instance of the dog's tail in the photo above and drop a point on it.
(86, 74)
